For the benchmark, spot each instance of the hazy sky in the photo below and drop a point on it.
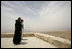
(37, 15)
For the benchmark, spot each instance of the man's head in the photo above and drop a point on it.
(19, 19)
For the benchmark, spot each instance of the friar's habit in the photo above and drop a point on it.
(18, 32)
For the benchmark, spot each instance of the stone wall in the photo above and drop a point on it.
(57, 41)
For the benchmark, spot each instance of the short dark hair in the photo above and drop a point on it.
(19, 18)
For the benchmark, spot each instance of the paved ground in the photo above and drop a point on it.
(27, 42)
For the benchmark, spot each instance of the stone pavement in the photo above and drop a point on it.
(27, 42)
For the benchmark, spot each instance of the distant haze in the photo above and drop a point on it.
(37, 15)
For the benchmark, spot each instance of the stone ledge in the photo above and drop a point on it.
(57, 41)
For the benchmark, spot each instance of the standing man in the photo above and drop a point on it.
(18, 31)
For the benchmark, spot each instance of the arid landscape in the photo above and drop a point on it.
(62, 34)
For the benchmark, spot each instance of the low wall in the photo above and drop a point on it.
(59, 42)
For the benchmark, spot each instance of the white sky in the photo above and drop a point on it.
(37, 15)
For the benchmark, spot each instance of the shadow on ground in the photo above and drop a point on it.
(24, 39)
(22, 43)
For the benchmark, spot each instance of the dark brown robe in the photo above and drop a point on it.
(18, 32)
